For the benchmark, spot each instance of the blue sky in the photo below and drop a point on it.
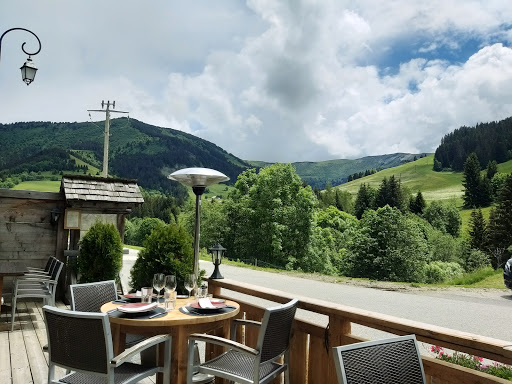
(296, 80)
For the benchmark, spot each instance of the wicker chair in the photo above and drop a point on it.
(81, 343)
(89, 297)
(43, 287)
(247, 365)
(389, 361)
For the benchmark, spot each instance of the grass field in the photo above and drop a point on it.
(417, 176)
(43, 185)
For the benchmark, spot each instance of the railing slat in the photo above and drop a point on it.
(299, 348)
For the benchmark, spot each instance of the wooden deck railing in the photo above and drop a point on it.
(311, 360)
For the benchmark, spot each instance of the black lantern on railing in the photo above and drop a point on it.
(217, 252)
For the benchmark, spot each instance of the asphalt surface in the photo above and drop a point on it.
(478, 311)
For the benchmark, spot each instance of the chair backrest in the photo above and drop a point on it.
(57, 268)
(275, 330)
(389, 361)
(90, 297)
(78, 340)
(49, 264)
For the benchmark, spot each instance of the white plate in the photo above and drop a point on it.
(137, 307)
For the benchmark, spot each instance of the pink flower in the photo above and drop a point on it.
(478, 358)
(436, 348)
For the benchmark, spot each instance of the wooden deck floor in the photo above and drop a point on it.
(22, 359)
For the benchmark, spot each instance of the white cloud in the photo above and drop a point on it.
(291, 80)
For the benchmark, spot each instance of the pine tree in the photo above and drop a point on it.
(364, 200)
(471, 181)
(492, 169)
(500, 225)
(390, 193)
(477, 230)
(417, 204)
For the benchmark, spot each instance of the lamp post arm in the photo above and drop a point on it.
(23, 45)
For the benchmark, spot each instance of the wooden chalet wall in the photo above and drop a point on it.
(26, 231)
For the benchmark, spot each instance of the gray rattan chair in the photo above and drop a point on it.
(389, 361)
(247, 365)
(43, 288)
(89, 297)
(81, 343)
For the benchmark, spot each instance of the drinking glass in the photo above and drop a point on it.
(158, 284)
(170, 283)
(190, 282)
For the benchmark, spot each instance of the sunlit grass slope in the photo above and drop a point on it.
(43, 185)
(417, 176)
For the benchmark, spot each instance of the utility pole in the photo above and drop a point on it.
(107, 130)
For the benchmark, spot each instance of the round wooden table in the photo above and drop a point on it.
(177, 324)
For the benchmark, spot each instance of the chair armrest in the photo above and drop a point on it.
(138, 348)
(32, 279)
(36, 275)
(250, 323)
(46, 284)
(224, 342)
(237, 322)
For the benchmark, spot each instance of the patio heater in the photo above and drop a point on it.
(198, 179)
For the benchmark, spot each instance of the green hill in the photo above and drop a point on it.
(137, 151)
(417, 176)
(335, 172)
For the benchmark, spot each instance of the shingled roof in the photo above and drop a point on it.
(89, 188)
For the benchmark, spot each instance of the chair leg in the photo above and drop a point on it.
(13, 312)
(190, 366)
(287, 371)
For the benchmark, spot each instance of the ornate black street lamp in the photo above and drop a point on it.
(28, 70)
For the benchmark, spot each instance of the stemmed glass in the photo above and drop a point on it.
(169, 287)
(170, 283)
(158, 284)
(190, 282)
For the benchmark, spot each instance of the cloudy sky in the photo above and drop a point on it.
(273, 80)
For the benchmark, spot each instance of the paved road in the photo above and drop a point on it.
(480, 312)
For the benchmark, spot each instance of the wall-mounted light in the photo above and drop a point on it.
(29, 69)
(55, 215)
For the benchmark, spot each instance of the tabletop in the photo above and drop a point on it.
(179, 325)
(172, 318)
(12, 268)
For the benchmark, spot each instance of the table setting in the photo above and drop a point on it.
(146, 304)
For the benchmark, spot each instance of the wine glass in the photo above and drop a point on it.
(158, 284)
(170, 283)
(190, 282)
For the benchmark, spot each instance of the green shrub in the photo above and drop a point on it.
(130, 230)
(475, 260)
(101, 254)
(389, 246)
(145, 227)
(440, 271)
(168, 250)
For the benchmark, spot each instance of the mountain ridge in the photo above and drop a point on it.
(148, 153)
